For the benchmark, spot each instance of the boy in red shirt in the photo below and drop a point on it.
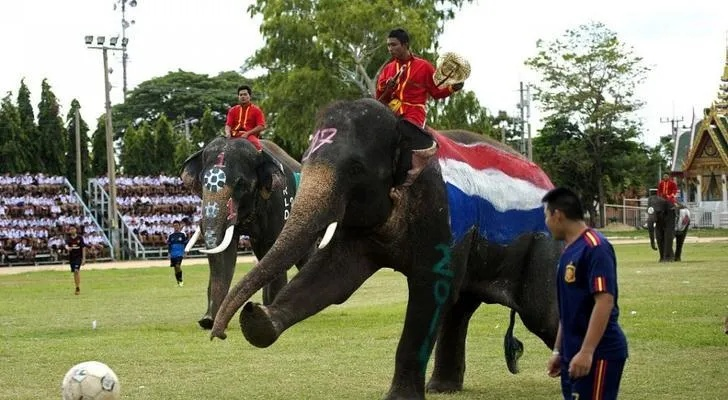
(404, 85)
(245, 120)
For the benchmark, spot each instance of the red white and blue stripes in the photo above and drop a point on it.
(495, 191)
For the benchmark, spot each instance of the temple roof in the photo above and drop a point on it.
(710, 147)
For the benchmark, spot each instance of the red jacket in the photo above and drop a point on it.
(241, 119)
(667, 189)
(414, 84)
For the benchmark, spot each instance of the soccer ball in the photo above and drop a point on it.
(90, 380)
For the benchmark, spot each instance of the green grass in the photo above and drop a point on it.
(147, 333)
(642, 233)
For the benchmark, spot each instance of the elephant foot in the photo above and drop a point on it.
(442, 386)
(678, 259)
(206, 322)
(257, 326)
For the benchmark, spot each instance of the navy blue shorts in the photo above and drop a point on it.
(175, 261)
(602, 383)
(75, 266)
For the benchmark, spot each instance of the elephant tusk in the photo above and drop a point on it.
(225, 242)
(192, 241)
(330, 230)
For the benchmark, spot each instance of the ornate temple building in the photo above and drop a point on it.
(700, 161)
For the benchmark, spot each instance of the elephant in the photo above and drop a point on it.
(667, 222)
(243, 192)
(469, 230)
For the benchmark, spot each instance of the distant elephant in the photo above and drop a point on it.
(667, 222)
(470, 230)
(243, 192)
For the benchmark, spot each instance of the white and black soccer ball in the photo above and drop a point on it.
(91, 380)
(214, 179)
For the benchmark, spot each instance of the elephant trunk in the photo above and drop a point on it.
(313, 211)
(651, 230)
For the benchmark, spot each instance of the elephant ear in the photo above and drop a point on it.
(271, 176)
(191, 170)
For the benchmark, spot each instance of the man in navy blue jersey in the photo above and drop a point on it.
(177, 242)
(591, 349)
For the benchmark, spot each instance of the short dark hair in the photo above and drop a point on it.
(175, 222)
(400, 34)
(566, 201)
(245, 87)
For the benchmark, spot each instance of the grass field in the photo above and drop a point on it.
(147, 332)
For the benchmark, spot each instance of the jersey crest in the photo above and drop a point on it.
(497, 192)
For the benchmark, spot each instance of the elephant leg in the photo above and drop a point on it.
(660, 239)
(431, 293)
(272, 289)
(679, 241)
(222, 269)
(314, 288)
(449, 371)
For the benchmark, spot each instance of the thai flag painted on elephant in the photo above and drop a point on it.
(493, 190)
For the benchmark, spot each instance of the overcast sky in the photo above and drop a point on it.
(683, 42)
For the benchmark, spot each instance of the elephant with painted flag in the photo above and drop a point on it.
(469, 230)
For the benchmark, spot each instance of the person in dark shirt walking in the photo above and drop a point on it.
(76, 248)
(591, 349)
(177, 242)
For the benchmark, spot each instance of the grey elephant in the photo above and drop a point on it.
(469, 230)
(667, 222)
(243, 192)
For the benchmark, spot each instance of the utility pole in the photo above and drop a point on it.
(124, 40)
(77, 119)
(523, 120)
(524, 105)
(674, 122)
(110, 156)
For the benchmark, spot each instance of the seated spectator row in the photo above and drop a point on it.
(40, 182)
(146, 185)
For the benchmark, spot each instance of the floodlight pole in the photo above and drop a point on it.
(110, 158)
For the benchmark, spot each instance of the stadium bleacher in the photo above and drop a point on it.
(35, 213)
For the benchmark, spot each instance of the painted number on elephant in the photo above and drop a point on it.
(441, 293)
(214, 179)
(287, 203)
(320, 138)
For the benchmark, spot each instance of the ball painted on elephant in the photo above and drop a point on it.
(214, 179)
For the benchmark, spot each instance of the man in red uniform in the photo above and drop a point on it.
(404, 85)
(245, 120)
(667, 189)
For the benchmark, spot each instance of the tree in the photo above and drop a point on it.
(324, 50)
(134, 159)
(183, 149)
(206, 130)
(461, 111)
(52, 136)
(180, 95)
(11, 152)
(589, 79)
(28, 140)
(165, 142)
(98, 148)
(71, 154)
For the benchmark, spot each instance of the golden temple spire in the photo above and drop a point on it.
(721, 105)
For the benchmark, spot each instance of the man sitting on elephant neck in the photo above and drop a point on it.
(404, 85)
(667, 189)
(245, 120)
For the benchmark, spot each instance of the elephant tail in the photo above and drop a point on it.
(512, 347)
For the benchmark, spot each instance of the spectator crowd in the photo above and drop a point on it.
(35, 213)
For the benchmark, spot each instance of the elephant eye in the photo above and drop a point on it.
(356, 168)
